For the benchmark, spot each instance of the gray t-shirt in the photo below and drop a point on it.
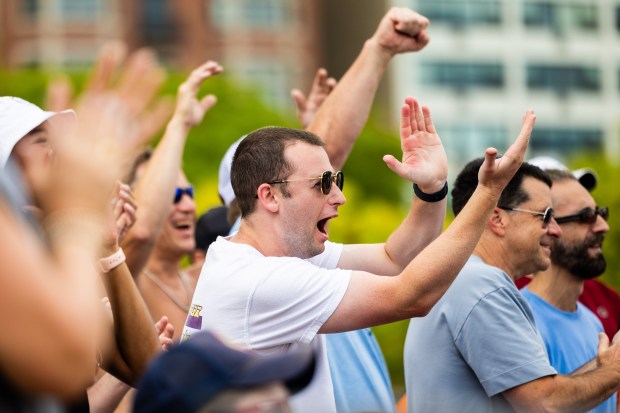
(478, 341)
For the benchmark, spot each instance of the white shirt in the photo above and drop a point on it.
(271, 304)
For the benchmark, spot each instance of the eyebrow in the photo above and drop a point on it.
(37, 130)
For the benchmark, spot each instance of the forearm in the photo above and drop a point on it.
(423, 224)
(153, 192)
(106, 394)
(136, 339)
(344, 113)
(431, 272)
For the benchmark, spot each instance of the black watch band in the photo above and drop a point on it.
(436, 197)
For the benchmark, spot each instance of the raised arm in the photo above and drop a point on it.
(424, 280)
(425, 163)
(345, 111)
(155, 187)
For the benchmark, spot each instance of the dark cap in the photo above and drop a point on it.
(192, 373)
(211, 225)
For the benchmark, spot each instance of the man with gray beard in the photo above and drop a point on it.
(569, 329)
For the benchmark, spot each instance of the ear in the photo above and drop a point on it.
(497, 222)
(268, 197)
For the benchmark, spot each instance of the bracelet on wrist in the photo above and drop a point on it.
(107, 264)
(434, 197)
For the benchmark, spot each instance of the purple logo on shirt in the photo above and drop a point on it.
(194, 319)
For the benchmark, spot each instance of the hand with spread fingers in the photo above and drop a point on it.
(307, 107)
(424, 159)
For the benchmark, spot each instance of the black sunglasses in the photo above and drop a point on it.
(178, 193)
(547, 214)
(325, 179)
(585, 216)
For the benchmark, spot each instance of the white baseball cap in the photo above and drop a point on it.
(586, 176)
(224, 186)
(17, 118)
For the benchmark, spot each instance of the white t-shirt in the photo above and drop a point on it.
(271, 304)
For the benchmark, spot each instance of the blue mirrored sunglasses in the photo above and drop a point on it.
(178, 193)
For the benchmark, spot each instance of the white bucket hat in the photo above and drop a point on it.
(224, 186)
(586, 177)
(17, 118)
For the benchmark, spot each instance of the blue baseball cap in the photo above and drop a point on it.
(192, 373)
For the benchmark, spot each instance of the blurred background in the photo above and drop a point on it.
(488, 61)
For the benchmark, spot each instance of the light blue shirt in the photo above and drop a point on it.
(359, 374)
(571, 338)
(478, 341)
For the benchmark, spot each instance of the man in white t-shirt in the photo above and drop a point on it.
(278, 282)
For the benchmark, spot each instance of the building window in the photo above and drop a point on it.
(79, 10)
(459, 13)
(563, 79)
(158, 24)
(254, 14)
(462, 75)
(560, 17)
(566, 140)
(465, 142)
(29, 9)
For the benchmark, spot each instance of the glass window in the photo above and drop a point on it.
(565, 140)
(79, 9)
(560, 17)
(462, 75)
(461, 12)
(263, 14)
(563, 79)
(465, 142)
(158, 23)
(29, 9)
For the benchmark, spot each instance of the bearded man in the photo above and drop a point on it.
(569, 329)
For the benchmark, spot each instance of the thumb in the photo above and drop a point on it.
(396, 166)
(208, 102)
(603, 342)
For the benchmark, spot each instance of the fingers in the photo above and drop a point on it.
(109, 60)
(518, 148)
(419, 117)
(208, 102)
(161, 324)
(407, 22)
(198, 75)
(58, 95)
(428, 120)
(300, 100)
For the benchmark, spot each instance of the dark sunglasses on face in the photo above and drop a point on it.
(585, 216)
(178, 193)
(326, 179)
(547, 214)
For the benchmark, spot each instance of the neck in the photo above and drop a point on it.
(258, 239)
(558, 287)
(163, 266)
(491, 250)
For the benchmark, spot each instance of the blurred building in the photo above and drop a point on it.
(490, 60)
(274, 44)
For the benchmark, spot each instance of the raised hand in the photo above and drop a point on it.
(402, 30)
(495, 173)
(133, 81)
(165, 332)
(189, 110)
(424, 158)
(308, 107)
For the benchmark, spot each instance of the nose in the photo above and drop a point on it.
(600, 225)
(186, 203)
(336, 197)
(553, 229)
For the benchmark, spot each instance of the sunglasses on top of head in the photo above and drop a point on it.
(585, 216)
(179, 192)
(546, 215)
(326, 179)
